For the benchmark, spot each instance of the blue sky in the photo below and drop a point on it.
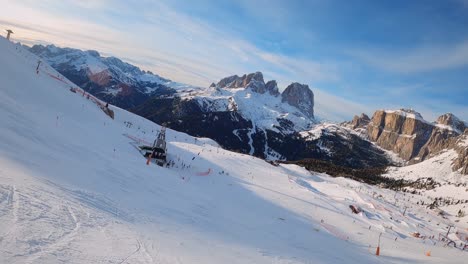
(356, 55)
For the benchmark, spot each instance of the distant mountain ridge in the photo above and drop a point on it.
(414, 139)
(109, 78)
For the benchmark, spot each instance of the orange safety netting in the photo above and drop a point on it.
(138, 140)
(204, 173)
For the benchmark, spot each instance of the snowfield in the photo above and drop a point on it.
(73, 189)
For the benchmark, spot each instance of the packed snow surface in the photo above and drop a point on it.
(74, 189)
(409, 113)
(439, 169)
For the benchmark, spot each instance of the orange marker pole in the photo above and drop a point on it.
(377, 252)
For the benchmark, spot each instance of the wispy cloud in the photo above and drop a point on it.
(422, 59)
(33, 24)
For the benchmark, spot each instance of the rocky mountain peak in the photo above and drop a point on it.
(272, 88)
(300, 96)
(93, 53)
(228, 82)
(452, 121)
(108, 78)
(256, 76)
(360, 121)
(461, 162)
(253, 80)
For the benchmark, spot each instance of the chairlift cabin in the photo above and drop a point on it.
(157, 152)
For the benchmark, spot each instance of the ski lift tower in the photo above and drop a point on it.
(159, 148)
(9, 32)
(160, 141)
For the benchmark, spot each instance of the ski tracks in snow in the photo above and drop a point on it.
(7, 193)
(138, 248)
(8, 211)
(52, 225)
(141, 254)
(41, 223)
(61, 243)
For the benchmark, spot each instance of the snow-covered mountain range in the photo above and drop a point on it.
(241, 113)
(122, 83)
(109, 78)
(246, 114)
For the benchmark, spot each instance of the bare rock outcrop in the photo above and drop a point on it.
(359, 125)
(300, 96)
(403, 132)
(445, 134)
(360, 121)
(272, 88)
(461, 162)
(451, 122)
(406, 133)
(252, 80)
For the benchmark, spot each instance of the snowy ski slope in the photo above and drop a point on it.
(73, 189)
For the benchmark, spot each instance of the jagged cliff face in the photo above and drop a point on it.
(401, 132)
(358, 122)
(272, 88)
(359, 125)
(406, 133)
(300, 96)
(461, 147)
(252, 80)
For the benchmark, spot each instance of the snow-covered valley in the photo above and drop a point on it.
(73, 189)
